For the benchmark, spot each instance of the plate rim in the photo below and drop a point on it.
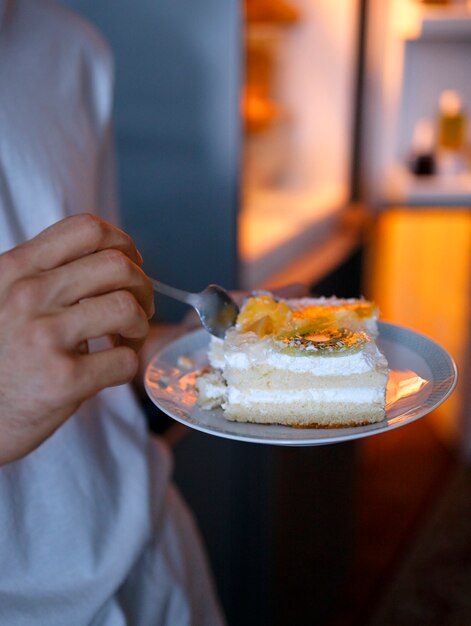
(372, 429)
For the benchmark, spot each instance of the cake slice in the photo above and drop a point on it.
(311, 362)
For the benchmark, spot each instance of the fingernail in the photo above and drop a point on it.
(139, 257)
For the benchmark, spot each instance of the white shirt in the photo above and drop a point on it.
(91, 530)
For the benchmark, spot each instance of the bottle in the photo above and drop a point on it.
(451, 157)
(452, 122)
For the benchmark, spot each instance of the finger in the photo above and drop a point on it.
(99, 273)
(70, 239)
(109, 368)
(116, 313)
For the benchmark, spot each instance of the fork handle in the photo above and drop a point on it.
(173, 292)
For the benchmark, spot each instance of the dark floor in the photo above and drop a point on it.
(401, 475)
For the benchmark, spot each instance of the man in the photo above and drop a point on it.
(91, 530)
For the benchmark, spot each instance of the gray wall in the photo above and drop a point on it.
(177, 128)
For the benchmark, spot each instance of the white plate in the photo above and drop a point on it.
(422, 376)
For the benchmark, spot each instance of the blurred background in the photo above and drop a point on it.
(325, 142)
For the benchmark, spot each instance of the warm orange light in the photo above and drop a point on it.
(258, 112)
(402, 384)
(421, 279)
(271, 11)
(282, 215)
(407, 18)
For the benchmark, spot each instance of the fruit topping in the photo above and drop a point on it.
(330, 341)
(312, 327)
(264, 316)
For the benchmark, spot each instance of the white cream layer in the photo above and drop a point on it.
(214, 392)
(216, 353)
(352, 395)
(358, 363)
(251, 351)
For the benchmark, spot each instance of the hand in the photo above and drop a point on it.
(77, 280)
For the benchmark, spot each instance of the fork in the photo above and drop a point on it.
(215, 307)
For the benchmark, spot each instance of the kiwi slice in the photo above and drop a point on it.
(325, 342)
